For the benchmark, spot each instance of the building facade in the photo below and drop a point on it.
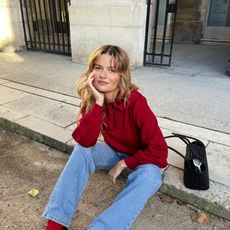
(76, 27)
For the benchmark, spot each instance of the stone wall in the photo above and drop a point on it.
(190, 20)
(11, 30)
(119, 22)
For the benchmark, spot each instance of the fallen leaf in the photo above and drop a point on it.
(33, 192)
(166, 199)
(200, 217)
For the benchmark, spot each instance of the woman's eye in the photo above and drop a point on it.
(97, 68)
(112, 70)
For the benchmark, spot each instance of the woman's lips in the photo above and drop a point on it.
(102, 83)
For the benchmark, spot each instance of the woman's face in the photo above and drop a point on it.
(106, 78)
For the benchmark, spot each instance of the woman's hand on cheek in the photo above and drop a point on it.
(99, 97)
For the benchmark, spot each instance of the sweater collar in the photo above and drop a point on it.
(118, 104)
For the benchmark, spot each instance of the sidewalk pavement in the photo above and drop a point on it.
(37, 99)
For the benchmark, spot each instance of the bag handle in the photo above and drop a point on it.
(186, 140)
(186, 137)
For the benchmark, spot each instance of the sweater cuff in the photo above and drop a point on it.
(131, 162)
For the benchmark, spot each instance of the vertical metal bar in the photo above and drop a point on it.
(43, 32)
(47, 22)
(61, 25)
(34, 40)
(147, 31)
(164, 31)
(52, 24)
(68, 29)
(28, 24)
(173, 30)
(36, 16)
(155, 30)
(55, 19)
(23, 23)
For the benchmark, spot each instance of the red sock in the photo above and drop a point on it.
(51, 225)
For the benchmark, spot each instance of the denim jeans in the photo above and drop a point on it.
(141, 184)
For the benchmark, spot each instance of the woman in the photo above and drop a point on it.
(111, 106)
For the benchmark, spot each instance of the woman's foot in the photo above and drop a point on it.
(51, 225)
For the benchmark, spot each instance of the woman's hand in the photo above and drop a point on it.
(116, 170)
(99, 97)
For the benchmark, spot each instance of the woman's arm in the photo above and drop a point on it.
(89, 127)
(154, 148)
(88, 130)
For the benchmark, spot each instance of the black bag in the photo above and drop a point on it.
(195, 162)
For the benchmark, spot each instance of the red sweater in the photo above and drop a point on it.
(130, 129)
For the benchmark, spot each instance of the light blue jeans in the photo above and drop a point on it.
(141, 184)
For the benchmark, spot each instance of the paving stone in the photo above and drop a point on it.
(36, 75)
(195, 131)
(44, 93)
(46, 128)
(72, 126)
(46, 109)
(219, 163)
(2, 81)
(9, 95)
(11, 115)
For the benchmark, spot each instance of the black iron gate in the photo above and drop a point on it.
(46, 25)
(160, 24)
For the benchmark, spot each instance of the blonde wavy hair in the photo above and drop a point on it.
(121, 64)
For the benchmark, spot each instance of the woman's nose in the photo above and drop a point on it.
(103, 73)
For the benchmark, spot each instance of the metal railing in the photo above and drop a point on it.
(159, 33)
(46, 25)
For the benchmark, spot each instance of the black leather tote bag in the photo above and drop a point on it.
(196, 174)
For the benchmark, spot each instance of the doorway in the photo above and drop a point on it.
(218, 20)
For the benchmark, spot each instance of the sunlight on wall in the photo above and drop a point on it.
(6, 34)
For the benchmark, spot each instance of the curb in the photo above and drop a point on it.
(196, 201)
(44, 139)
(166, 188)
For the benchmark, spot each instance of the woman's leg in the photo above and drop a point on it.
(141, 184)
(73, 180)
